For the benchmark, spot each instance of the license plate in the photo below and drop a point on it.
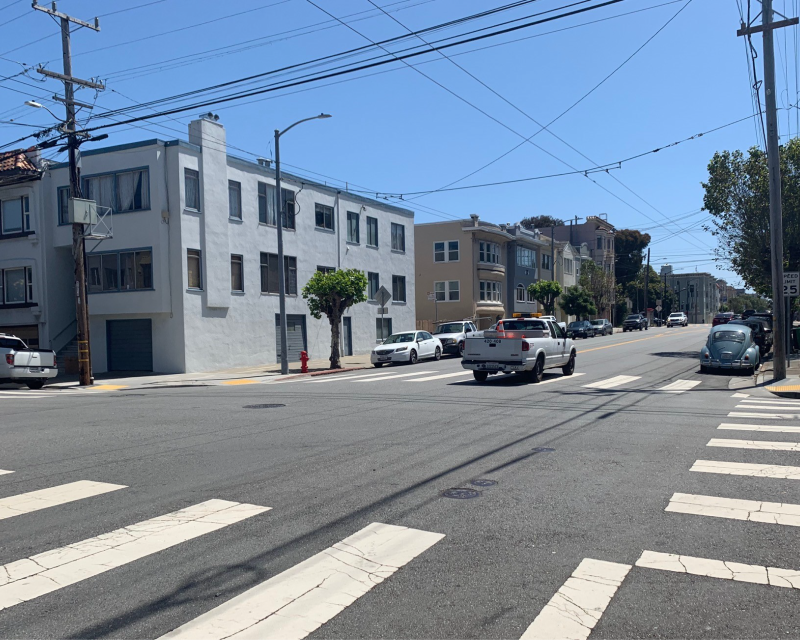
(491, 366)
(36, 370)
(384, 358)
(492, 340)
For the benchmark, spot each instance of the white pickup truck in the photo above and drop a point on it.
(21, 365)
(526, 346)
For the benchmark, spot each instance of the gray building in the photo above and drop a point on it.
(697, 293)
(525, 252)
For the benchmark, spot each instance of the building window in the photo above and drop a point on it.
(530, 297)
(191, 189)
(352, 227)
(120, 270)
(234, 199)
(489, 252)
(373, 284)
(490, 291)
(446, 251)
(599, 242)
(546, 262)
(398, 237)
(120, 192)
(520, 293)
(266, 205)
(567, 265)
(16, 285)
(237, 273)
(323, 216)
(447, 291)
(194, 266)
(63, 205)
(399, 288)
(526, 257)
(269, 274)
(383, 328)
(326, 270)
(372, 232)
(16, 216)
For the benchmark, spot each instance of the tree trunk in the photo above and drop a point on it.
(335, 319)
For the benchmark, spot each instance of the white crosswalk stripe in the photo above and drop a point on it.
(561, 378)
(579, 604)
(752, 401)
(749, 510)
(611, 383)
(4, 472)
(679, 386)
(747, 469)
(773, 428)
(457, 374)
(765, 416)
(46, 572)
(761, 445)
(336, 378)
(300, 600)
(393, 376)
(53, 496)
(770, 407)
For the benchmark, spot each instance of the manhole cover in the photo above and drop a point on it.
(263, 406)
(483, 483)
(461, 493)
(543, 449)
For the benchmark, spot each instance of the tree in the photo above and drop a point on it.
(655, 291)
(332, 294)
(577, 302)
(629, 246)
(748, 301)
(737, 197)
(541, 222)
(545, 293)
(599, 284)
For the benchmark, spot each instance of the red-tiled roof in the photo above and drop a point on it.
(16, 162)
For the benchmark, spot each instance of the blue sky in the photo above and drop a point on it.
(397, 131)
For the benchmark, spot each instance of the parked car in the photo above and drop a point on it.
(677, 319)
(722, 318)
(766, 316)
(602, 326)
(747, 313)
(635, 321)
(762, 332)
(563, 325)
(408, 346)
(730, 348)
(452, 336)
(25, 366)
(581, 329)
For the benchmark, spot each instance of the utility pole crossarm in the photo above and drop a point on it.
(73, 80)
(748, 31)
(53, 12)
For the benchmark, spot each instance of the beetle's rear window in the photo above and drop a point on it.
(728, 336)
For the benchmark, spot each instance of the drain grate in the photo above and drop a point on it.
(483, 482)
(543, 449)
(263, 406)
(461, 493)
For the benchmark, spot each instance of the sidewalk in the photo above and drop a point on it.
(790, 386)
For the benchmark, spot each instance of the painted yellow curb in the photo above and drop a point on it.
(107, 387)
(789, 387)
(243, 381)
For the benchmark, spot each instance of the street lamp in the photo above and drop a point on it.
(279, 212)
(38, 105)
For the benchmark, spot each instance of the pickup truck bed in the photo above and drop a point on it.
(18, 364)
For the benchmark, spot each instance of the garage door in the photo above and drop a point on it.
(130, 345)
(295, 337)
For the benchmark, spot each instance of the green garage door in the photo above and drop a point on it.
(130, 345)
(295, 337)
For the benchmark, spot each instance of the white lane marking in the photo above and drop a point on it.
(334, 377)
(679, 386)
(44, 498)
(747, 469)
(579, 604)
(751, 510)
(610, 383)
(46, 572)
(561, 378)
(763, 445)
(771, 407)
(740, 395)
(725, 570)
(301, 599)
(775, 428)
(19, 396)
(396, 375)
(770, 401)
(442, 376)
(4, 472)
(774, 416)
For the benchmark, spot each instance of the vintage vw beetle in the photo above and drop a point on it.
(729, 347)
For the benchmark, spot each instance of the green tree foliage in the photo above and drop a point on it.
(748, 301)
(599, 284)
(332, 294)
(737, 197)
(655, 291)
(577, 302)
(545, 292)
(629, 246)
(541, 222)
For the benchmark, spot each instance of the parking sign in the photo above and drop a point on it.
(791, 283)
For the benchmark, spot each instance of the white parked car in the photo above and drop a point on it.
(407, 346)
(677, 319)
(563, 325)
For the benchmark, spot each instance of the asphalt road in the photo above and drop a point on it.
(561, 473)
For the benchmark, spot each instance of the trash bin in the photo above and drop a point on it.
(796, 338)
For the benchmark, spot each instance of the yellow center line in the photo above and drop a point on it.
(617, 344)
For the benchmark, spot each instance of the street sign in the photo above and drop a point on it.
(431, 296)
(383, 310)
(658, 304)
(658, 307)
(383, 296)
(791, 283)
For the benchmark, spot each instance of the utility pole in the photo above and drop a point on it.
(646, 282)
(78, 239)
(553, 253)
(768, 25)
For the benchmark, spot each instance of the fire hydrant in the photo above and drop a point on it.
(303, 362)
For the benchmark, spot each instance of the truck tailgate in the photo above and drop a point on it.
(494, 349)
(33, 358)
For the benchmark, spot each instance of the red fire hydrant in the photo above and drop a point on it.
(303, 362)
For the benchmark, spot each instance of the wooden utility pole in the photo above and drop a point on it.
(78, 236)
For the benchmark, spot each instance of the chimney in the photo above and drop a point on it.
(34, 154)
(475, 217)
(265, 162)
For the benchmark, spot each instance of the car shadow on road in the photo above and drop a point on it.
(677, 354)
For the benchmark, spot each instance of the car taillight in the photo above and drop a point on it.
(55, 360)
(706, 355)
(526, 346)
(747, 357)
(10, 359)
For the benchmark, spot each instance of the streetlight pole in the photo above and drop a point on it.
(280, 218)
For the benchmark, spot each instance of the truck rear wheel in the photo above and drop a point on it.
(535, 374)
(35, 384)
(480, 376)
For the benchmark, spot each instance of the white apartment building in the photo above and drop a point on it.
(189, 280)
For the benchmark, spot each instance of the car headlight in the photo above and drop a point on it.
(401, 349)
